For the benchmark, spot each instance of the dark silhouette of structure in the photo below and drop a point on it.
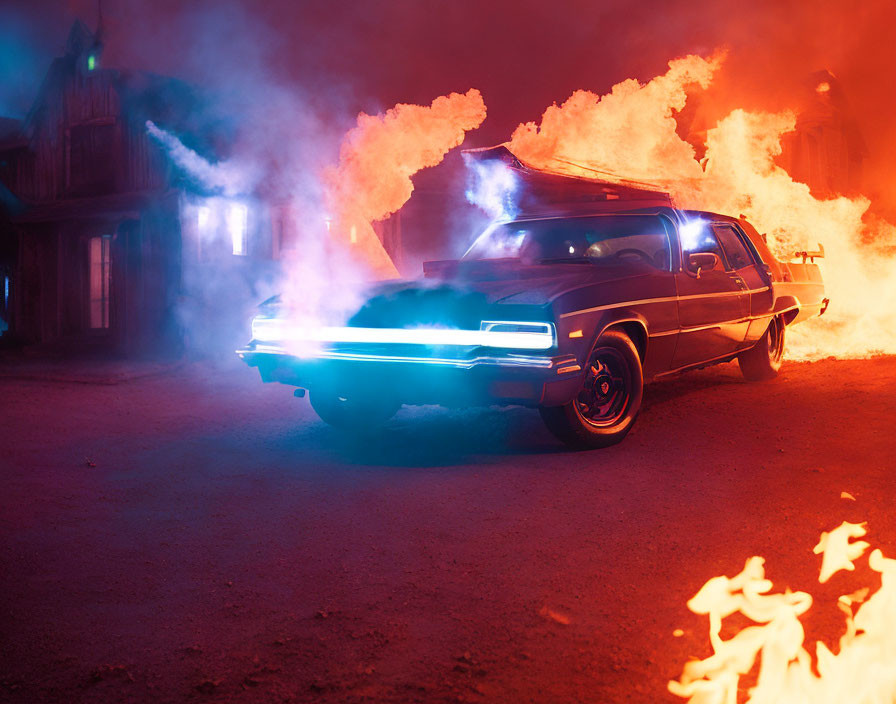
(827, 150)
(91, 213)
(96, 225)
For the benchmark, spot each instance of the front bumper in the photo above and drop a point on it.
(529, 380)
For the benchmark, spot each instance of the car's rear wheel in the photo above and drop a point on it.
(608, 402)
(763, 360)
(358, 413)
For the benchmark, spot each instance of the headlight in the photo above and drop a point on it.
(498, 334)
(519, 335)
(266, 329)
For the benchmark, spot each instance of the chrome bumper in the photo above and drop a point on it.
(562, 364)
(481, 380)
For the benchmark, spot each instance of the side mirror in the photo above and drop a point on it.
(702, 261)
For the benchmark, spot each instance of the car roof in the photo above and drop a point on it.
(622, 208)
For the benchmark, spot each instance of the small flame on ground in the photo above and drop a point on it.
(837, 550)
(862, 672)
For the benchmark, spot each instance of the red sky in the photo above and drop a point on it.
(523, 55)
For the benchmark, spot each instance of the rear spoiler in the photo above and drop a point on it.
(811, 256)
(555, 188)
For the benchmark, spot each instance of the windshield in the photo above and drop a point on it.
(597, 239)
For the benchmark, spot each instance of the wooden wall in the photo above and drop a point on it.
(72, 98)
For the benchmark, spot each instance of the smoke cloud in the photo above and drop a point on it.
(292, 76)
(228, 178)
(379, 156)
(333, 257)
(631, 133)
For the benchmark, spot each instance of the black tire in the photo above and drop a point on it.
(607, 405)
(763, 360)
(359, 414)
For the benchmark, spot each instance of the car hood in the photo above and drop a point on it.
(468, 292)
(505, 281)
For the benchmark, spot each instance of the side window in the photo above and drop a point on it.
(698, 238)
(735, 249)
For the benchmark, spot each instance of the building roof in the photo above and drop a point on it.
(169, 102)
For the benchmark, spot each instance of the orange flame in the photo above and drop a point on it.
(378, 158)
(328, 273)
(630, 133)
(862, 672)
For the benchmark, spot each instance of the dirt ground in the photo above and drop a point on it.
(199, 536)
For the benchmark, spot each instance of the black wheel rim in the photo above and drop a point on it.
(605, 394)
(775, 340)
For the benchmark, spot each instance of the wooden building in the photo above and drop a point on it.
(92, 217)
(105, 243)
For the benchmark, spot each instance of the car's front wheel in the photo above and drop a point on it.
(357, 413)
(763, 360)
(608, 402)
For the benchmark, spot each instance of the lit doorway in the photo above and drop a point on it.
(99, 251)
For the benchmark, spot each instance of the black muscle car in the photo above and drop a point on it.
(568, 313)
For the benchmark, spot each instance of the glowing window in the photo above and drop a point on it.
(202, 216)
(238, 226)
(100, 280)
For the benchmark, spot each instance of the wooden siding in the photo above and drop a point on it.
(72, 99)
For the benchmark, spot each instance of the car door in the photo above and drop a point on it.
(745, 264)
(713, 306)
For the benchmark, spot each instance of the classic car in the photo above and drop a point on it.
(568, 310)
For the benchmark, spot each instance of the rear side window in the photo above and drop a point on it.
(735, 250)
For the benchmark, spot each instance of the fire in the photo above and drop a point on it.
(862, 672)
(378, 158)
(326, 279)
(630, 133)
(333, 251)
(837, 550)
(372, 179)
